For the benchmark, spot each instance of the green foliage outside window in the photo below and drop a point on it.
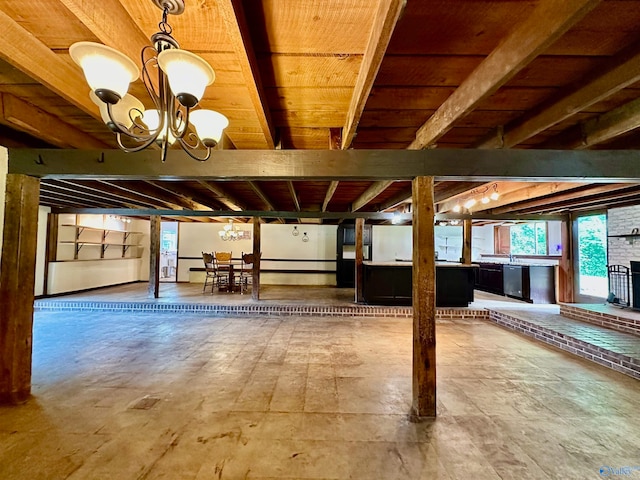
(592, 231)
(529, 239)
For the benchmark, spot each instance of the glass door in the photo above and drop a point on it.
(168, 251)
(590, 232)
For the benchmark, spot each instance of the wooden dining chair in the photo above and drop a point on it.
(223, 264)
(246, 271)
(210, 271)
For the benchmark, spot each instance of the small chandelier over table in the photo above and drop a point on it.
(230, 232)
(181, 80)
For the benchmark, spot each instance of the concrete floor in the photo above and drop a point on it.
(157, 396)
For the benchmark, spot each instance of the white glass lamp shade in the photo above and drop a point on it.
(105, 69)
(209, 125)
(188, 75)
(151, 119)
(122, 113)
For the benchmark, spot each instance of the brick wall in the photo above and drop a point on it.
(620, 221)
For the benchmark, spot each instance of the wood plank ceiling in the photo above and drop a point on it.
(322, 74)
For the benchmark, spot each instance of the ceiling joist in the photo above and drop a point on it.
(549, 20)
(238, 31)
(384, 23)
(28, 54)
(620, 72)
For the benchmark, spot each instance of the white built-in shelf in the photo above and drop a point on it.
(78, 242)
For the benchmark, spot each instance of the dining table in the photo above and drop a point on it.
(230, 266)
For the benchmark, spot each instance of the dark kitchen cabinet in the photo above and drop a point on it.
(489, 278)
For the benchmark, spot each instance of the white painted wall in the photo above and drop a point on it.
(481, 242)
(90, 271)
(43, 213)
(554, 237)
(277, 242)
(391, 242)
(448, 240)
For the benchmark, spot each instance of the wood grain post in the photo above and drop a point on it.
(359, 259)
(466, 241)
(51, 248)
(424, 300)
(255, 288)
(154, 256)
(17, 283)
(565, 268)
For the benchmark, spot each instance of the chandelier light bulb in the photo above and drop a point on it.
(470, 203)
(485, 200)
(494, 196)
(295, 231)
(123, 113)
(457, 208)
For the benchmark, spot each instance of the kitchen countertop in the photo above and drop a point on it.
(408, 264)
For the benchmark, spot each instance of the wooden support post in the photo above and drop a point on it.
(154, 256)
(359, 259)
(466, 241)
(424, 300)
(255, 288)
(566, 290)
(17, 282)
(51, 248)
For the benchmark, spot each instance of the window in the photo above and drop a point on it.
(529, 239)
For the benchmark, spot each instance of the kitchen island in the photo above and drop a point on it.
(390, 283)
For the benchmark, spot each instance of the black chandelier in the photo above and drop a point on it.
(180, 84)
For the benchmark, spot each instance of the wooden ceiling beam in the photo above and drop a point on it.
(80, 200)
(145, 191)
(618, 72)
(548, 21)
(110, 22)
(23, 116)
(223, 197)
(238, 31)
(294, 196)
(474, 165)
(524, 192)
(174, 191)
(401, 197)
(263, 196)
(599, 129)
(384, 23)
(571, 197)
(370, 194)
(444, 193)
(28, 54)
(331, 189)
(67, 186)
(503, 188)
(102, 188)
(265, 199)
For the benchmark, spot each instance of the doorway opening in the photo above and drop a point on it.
(169, 251)
(591, 266)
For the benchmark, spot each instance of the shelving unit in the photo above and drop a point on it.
(123, 241)
(630, 238)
